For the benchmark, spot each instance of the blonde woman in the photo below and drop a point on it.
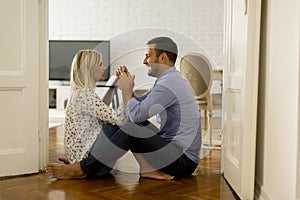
(86, 113)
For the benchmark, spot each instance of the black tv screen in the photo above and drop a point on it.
(62, 52)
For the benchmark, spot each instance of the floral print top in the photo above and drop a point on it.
(85, 115)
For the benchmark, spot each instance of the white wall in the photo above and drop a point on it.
(277, 139)
(196, 25)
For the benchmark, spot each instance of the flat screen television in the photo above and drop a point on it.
(62, 52)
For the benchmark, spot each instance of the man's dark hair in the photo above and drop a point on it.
(165, 44)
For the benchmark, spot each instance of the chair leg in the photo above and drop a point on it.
(205, 120)
(209, 116)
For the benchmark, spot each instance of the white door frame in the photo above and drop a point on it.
(298, 144)
(298, 156)
(43, 83)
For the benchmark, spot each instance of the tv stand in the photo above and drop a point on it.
(59, 92)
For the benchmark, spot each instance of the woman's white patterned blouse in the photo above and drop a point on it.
(85, 115)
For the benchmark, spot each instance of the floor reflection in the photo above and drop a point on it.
(127, 180)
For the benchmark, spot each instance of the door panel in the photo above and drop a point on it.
(234, 128)
(19, 87)
(242, 33)
(11, 36)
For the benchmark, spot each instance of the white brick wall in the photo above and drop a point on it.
(195, 25)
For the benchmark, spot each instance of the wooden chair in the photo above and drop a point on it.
(197, 70)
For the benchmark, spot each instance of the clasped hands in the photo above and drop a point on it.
(125, 80)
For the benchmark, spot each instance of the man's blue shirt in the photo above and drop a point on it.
(172, 101)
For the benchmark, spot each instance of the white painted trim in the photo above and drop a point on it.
(43, 84)
(298, 145)
(259, 192)
(12, 151)
(227, 61)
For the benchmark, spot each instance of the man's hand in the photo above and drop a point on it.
(126, 84)
(121, 69)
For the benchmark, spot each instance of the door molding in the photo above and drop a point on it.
(43, 84)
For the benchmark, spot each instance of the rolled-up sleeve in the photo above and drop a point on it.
(141, 98)
(156, 100)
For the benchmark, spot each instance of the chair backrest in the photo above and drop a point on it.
(197, 70)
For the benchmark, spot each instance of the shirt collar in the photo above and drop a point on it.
(166, 72)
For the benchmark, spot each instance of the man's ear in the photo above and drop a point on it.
(164, 57)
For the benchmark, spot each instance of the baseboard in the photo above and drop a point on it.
(55, 113)
(54, 124)
(259, 193)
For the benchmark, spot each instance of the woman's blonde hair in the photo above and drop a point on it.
(82, 69)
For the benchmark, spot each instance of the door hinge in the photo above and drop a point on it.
(245, 7)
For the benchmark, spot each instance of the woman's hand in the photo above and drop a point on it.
(126, 82)
(121, 69)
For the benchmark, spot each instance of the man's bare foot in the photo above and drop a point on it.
(64, 159)
(158, 175)
(62, 171)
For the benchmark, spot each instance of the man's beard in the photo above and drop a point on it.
(153, 71)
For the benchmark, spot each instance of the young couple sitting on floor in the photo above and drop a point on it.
(96, 136)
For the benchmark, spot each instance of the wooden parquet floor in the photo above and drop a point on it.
(206, 183)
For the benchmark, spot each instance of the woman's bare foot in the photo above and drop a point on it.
(158, 175)
(64, 159)
(62, 171)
